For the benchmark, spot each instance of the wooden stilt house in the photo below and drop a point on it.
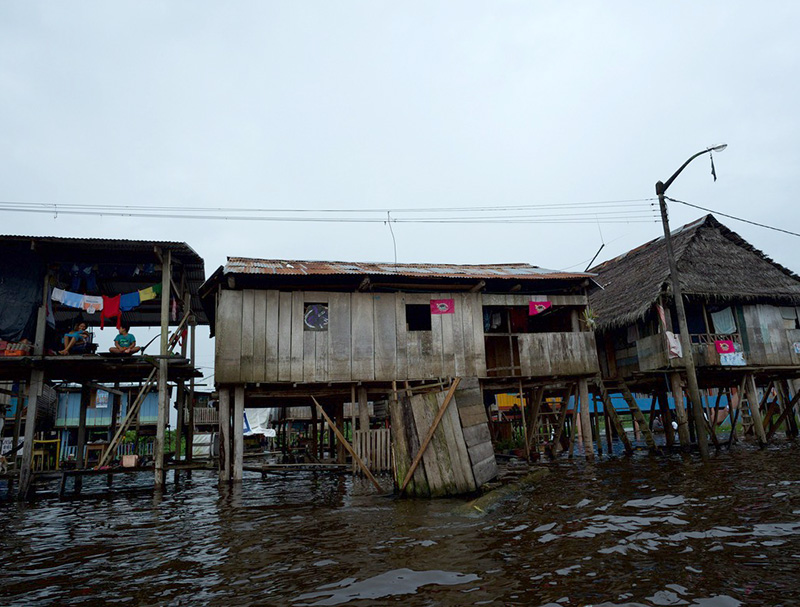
(434, 342)
(47, 286)
(743, 312)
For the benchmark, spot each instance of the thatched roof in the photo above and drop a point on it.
(714, 263)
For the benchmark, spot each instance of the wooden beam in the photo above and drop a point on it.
(224, 435)
(418, 458)
(347, 446)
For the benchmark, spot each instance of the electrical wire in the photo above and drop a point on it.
(755, 223)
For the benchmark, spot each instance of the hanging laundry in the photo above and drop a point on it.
(674, 345)
(443, 306)
(537, 307)
(50, 317)
(129, 301)
(69, 299)
(92, 303)
(110, 310)
(150, 293)
(80, 272)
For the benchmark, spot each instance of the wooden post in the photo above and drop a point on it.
(536, 407)
(315, 441)
(18, 422)
(680, 410)
(524, 423)
(596, 425)
(35, 388)
(666, 419)
(26, 470)
(556, 444)
(340, 450)
(180, 404)
(755, 412)
(190, 426)
(585, 418)
(116, 399)
(163, 370)
(238, 433)
(224, 435)
(363, 422)
(80, 449)
(353, 420)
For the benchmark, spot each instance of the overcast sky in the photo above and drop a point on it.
(374, 105)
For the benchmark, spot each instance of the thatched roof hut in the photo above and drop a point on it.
(715, 265)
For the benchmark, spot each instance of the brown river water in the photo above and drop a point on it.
(641, 531)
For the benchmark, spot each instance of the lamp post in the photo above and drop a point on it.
(686, 342)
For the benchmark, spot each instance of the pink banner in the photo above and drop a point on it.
(724, 346)
(536, 307)
(443, 306)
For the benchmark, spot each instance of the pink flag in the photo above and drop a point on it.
(535, 307)
(724, 346)
(443, 306)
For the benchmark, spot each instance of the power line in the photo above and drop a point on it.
(755, 223)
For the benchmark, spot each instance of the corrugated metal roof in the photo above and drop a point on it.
(284, 267)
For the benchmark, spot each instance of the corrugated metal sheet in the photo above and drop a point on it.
(243, 265)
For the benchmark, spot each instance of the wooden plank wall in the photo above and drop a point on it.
(260, 336)
(475, 426)
(543, 354)
(767, 340)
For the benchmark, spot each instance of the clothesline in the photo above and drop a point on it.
(110, 306)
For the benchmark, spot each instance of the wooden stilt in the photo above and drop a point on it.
(666, 419)
(596, 419)
(609, 431)
(524, 423)
(238, 433)
(80, 449)
(363, 421)
(163, 369)
(638, 416)
(35, 388)
(340, 450)
(755, 411)
(353, 420)
(190, 423)
(585, 418)
(116, 399)
(180, 403)
(788, 408)
(225, 435)
(314, 432)
(562, 418)
(536, 407)
(680, 410)
(608, 407)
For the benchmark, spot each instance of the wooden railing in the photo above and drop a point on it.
(374, 447)
(206, 415)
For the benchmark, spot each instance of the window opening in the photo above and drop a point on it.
(418, 317)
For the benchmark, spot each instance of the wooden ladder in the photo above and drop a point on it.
(613, 416)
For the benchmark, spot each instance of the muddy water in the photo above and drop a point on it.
(647, 531)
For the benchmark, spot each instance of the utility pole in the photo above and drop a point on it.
(686, 341)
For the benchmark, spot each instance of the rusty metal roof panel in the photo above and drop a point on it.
(283, 267)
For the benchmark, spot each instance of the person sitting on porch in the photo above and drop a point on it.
(75, 339)
(124, 343)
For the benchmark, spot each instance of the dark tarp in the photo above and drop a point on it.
(21, 278)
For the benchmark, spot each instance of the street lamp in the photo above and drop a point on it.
(686, 342)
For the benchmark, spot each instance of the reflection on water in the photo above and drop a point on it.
(647, 531)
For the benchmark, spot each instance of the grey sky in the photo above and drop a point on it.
(393, 105)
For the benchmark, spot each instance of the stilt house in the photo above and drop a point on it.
(47, 286)
(743, 312)
(287, 331)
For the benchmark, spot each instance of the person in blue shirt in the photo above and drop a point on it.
(77, 339)
(124, 343)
